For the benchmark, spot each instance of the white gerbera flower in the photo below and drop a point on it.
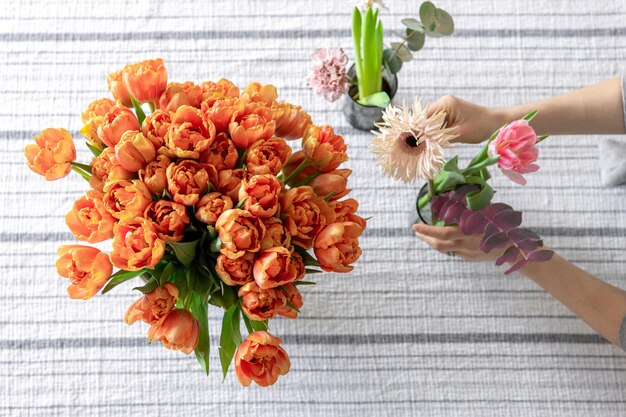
(409, 144)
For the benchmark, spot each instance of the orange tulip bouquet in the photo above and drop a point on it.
(207, 205)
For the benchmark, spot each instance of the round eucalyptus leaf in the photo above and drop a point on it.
(402, 51)
(445, 24)
(415, 40)
(392, 62)
(413, 24)
(427, 13)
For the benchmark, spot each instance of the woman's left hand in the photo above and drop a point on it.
(450, 240)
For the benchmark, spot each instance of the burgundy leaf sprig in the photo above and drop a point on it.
(498, 224)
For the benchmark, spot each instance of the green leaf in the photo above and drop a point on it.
(402, 51)
(185, 251)
(427, 13)
(392, 62)
(413, 24)
(448, 180)
(120, 277)
(297, 283)
(542, 138)
(452, 165)
(167, 272)
(202, 281)
(138, 110)
(199, 310)
(225, 298)
(415, 40)
(230, 339)
(312, 271)
(150, 286)
(308, 259)
(380, 99)
(437, 21)
(484, 150)
(95, 151)
(530, 116)
(179, 279)
(215, 245)
(483, 164)
(477, 200)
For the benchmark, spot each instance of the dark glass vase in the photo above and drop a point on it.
(364, 117)
(425, 214)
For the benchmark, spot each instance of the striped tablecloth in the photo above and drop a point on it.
(411, 331)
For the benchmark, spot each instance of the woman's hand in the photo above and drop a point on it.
(473, 123)
(450, 240)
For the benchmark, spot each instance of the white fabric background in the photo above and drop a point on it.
(411, 331)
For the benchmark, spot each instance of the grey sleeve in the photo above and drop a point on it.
(613, 154)
(622, 334)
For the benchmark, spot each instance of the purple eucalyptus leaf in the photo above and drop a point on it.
(508, 219)
(490, 230)
(517, 266)
(497, 240)
(529, 244)
(460, 193)
(472, 222)
(445, 208)
(492, 209)
(540, 255)
(452, 215)
(509, 255)
(520, 234)
(438, 202)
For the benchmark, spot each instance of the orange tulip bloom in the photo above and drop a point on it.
(256, 92)
(325, 150)
(305, 214)
(126, 200)
(345, 211)
(275, 234)
(154, 174)
(87, 268)
(337, 246)
(235, 271)
(169, 219)
(295, 299)
(153, 306)
(116, 122)
(228, 182)
(180, 94)
(118, 89)
(260, 304)
(134, 151)
(179, 330)
(260, 193)
(221, 112)
(155, 127)
(97, 108)
(222, 153)
(105, 168)
(89, 220)
(214, 91)
(136, 245)
(211, 206)
(277, 266)
(190, 133)
(246, 129)
(240, 232)
(267, 157)
(51, 154)
(333, 182)
(260, 359)
(145, 80)
(187, 181)
(291, 121)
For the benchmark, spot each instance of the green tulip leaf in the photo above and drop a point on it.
(185, 251)
(202, 351)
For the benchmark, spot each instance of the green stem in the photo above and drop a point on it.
(425, 199)
(151, 104)
(242, 157)
(308, 179)
(82, 173)
(299, 169)
(84, 167)
(431, 194)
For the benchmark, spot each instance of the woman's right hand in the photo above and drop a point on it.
(473, 123)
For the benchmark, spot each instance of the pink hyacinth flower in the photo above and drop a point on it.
(328, 76)
(515, 144)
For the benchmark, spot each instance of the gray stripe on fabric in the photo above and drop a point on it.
(329, 339)
(622, 334)
(291, 34)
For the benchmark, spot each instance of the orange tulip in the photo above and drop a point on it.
(190, 133)
(260, 193)
(345, 211)
(134, 151)
(260, 359)
(256, 92)
(305, 214)
(145, 80)
(221, 112)
(275, 234)
(87, 268)
(51, 154)
(267, 157)
(118, 89)
(246, 129)
(155, 127)
(333, 184)
(291, 121)
(169, 219)
(235, 271)
(154, 174)
(187, 181)
(180, 94)
(126, 200)
(324, 149)
(211, 206)
(104, 168)
(153, 306)
(240, 232)
(337, 246)
(93, 117)
(116, 122)
(179, 330)
(222, 153)
(214, 91)
(260, 304)
(277, 266)
(294, 298)
(89, 220)
(136, 245)
(228, 182)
